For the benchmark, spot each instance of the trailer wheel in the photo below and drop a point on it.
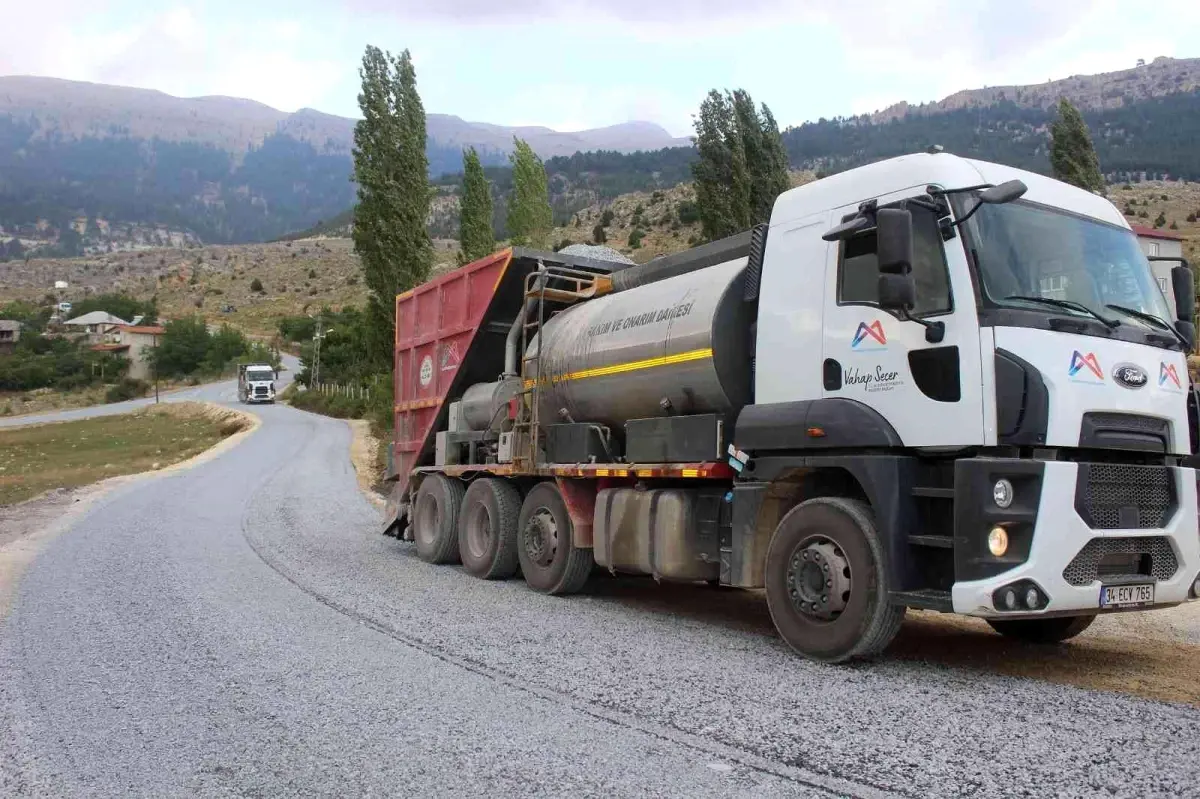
(487, 528)
(550, 561)
(827, 582)
(1043, 631)
(435, 518)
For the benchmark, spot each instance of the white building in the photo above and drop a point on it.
(1162, 243)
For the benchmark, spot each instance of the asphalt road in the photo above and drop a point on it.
(241, 629)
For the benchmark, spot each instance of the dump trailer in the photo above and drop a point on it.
(930, 382)
(256, 382)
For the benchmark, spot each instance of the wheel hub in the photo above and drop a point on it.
(479, 531)
(818, 579)
(540, 538)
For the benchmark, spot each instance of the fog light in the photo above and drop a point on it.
(1032, 600)
(1002, 493)
(998, 541)
(1010, 599)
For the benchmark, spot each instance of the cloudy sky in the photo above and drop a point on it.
(572, 64)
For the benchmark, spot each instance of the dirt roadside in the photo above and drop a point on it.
(28, 527)
(364, 449)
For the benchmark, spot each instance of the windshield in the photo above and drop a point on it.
(1022, 249)
(257, 375)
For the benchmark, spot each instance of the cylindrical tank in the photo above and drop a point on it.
(615, 358)
(481, 403)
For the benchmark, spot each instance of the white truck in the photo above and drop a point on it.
(930, 382)
(256, 382)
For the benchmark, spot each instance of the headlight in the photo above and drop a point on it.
(1002, 493)
(998, 541)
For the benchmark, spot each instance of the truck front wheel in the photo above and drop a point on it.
(1043, 631)
(487, 528)
(435, 518)
(827, 582)
(550, 561)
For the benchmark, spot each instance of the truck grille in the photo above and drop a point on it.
(1109, 558)
(1111, 496)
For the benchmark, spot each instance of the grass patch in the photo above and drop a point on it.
(72, 454)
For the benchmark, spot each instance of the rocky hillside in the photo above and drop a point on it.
(1162, 77)
(305, 274)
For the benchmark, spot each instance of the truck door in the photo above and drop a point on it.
(930, 391)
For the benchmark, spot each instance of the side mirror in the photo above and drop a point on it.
(893, 241)
(1004, 193)
(897, 292)
(1185, 292)
(1188, 331)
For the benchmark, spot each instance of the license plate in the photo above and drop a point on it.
(1127, 596)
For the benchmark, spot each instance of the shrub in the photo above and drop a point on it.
(1161, 220)
(688, 212)
(126, 389)
(635, 238)
(598, 234)
(312, 273)
(256, 285)
(1191, 217)
(606, 218)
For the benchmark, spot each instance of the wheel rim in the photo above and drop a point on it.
(540, 537)
(479, 531)
(818, 579)
(428, 517)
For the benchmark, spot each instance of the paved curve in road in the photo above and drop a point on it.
(240, 628)
(223, 391)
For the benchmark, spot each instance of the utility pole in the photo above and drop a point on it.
(155, 365)
(317, 337)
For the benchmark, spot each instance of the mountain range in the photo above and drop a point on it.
(92, 168)
(75, 109)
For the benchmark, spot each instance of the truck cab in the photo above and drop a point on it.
(256, 383)
(1001, 334)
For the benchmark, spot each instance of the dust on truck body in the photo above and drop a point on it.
(929, 383)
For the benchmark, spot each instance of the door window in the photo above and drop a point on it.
(858, 268)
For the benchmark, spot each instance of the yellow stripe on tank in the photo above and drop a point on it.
(631, 366)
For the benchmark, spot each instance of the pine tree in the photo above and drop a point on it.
(475, 210)
(1072, 156)
(391, 170)
(742, 165)
(529, 215)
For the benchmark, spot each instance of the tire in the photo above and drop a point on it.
(435, 518)
(831, 538)
(550, 561)
(487, 529)
(1043, 631)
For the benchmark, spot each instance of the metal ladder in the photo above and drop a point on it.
(571, 286)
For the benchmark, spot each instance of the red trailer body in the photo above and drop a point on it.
(436, 326)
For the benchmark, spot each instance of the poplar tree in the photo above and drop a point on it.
(475, 210)
(1072, 155)
(530, 218)
(742, 165)
(392, 173)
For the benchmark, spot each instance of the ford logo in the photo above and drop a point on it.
(1130, 375)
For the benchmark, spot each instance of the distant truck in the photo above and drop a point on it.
(256, 382)
(929, 382)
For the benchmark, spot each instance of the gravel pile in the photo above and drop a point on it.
(597, 252)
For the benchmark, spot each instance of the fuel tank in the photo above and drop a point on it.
(685, 339)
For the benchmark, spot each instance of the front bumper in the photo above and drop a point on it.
(1056, 536)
